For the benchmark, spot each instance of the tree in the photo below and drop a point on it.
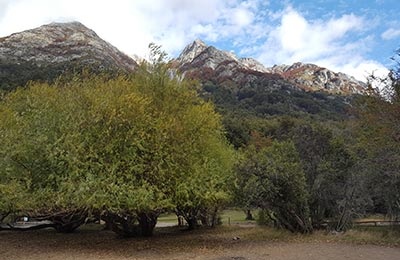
(272, 179)
(332, 179)
(377, 128)
(124, 148)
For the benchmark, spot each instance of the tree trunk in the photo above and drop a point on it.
(180, 221)
(69, 223)
(205, 218)
(249, 216)
(147, 222)
(215, 218)
(68, 227)
(3, 216)
(140, 225)
(107, 220)
(192, 222)
(190, 215)
(108, 225)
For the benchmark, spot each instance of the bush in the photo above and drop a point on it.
(126, 148)
(272, 179)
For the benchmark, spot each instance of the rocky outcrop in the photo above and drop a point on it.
(311, 77)
(191, 51)
(208, 63)
(62, 42)
(253, 64)
(47, 51)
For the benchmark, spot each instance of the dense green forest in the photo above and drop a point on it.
(330, 170)
(127, 148)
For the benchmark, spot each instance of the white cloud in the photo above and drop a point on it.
(357, 67)
(390, 34)
(3, 8)
(242, 17)
(130, 25)
(297, 39)
(321, 42)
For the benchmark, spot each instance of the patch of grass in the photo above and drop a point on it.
(235, 216)
(382, 235)
(232, 216)
(264, 233)
(168, 218)
(376, 217)
(387, 235)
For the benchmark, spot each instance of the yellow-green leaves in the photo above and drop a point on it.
(127, 144)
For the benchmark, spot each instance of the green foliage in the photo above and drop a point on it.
(127, 147)
(264, 100)
(263, 217)
(332, 180)
(272, 179)
(377, 129)
(14, 75)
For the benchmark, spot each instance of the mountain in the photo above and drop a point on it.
(223, 68)
(245, 86)
(44, 53)
(208, 63)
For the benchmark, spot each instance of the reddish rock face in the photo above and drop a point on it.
(207, 63)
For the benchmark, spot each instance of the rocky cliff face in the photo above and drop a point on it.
(253, 64)
(53, 48)
(191, 51)
(208, 63)
(311, 77)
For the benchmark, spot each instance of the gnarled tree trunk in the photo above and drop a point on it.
(190, 214)
(65, 221)
(249, 216)
(141, 224)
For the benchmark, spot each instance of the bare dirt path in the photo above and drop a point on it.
(90, 245)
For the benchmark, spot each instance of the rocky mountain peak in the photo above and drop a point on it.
(45, 52)
(52, 34)
(211, 57)
(191, 51)
(199, 42)
(62, 42)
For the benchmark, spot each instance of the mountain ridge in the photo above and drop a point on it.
(47, 51)
(309, 77)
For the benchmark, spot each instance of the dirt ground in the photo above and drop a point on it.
(220, 244)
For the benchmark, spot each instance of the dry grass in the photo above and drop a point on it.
(174, 243)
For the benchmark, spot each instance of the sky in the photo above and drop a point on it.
(357, 37)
